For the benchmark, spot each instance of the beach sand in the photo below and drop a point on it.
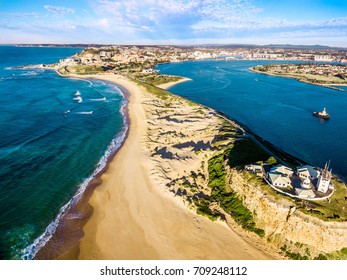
(136, 217)
(170, 84)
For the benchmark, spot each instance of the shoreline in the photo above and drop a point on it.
(74, 214)
(89, 246)
(168, 85)
(330, 86)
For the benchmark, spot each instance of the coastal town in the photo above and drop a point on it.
(121, 58)
(316, 73)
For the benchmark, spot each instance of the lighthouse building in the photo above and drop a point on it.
(324, 180)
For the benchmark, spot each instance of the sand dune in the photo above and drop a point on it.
(135, 215)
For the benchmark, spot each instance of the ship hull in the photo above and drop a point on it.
(318, 115)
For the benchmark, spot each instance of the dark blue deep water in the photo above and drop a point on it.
(277, 109)
(55, 133)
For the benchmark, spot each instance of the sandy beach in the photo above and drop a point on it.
(170, 84)
(135, 216)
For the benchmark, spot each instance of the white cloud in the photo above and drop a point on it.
(145, 10)
(202, 14)
(59, 11)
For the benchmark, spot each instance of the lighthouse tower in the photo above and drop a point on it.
(306, 184)
(324, 179)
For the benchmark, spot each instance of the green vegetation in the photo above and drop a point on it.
(84, 69)
(334, 209)
(338, 255)
(228, 200)
(292, 255)
(271, 161)
(204, 209)
(156, 79)
(306, 72)
(160, 93)
(320, 79)
(94, 51)
(245, 151)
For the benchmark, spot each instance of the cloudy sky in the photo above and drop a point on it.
(174, 21)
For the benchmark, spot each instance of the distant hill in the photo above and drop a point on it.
(282, 46)
(289, 46)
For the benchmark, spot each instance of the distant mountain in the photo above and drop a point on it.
(61, 45)
(282, 46)
(289, 46)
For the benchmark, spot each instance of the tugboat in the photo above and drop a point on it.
(322, 115)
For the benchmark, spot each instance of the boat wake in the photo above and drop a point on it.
(99, 99)
(84, 113)
(30, 73)
(79, 99)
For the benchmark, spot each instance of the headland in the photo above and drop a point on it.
(176, 189)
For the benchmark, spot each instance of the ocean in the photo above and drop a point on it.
(56, 134)
(277, 109)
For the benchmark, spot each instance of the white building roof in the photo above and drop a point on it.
(282, 169)
(279, 179)
(305, 193)
(307, 171)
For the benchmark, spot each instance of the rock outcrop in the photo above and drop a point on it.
(287, 227)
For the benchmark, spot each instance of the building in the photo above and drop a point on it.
(324, 179)
(306, 189)
(307, 171)
(279, 180)
(326, 58)
(282, 169)
(255, 168)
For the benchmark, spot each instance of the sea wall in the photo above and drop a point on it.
(284, 225)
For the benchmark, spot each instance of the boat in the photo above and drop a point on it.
(322, 115)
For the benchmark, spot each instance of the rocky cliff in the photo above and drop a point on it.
(285, 226)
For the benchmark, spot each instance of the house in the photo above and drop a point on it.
(255, 168)
(307, 171)
(282, 169)
(103, 55)
(279, 179)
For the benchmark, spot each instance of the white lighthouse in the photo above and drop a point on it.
(324, 180)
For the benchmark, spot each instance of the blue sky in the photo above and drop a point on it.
(174, 21)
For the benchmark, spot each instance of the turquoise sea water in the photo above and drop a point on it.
(277, 109)
(55, 134)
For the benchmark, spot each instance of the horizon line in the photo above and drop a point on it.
(182, 44)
